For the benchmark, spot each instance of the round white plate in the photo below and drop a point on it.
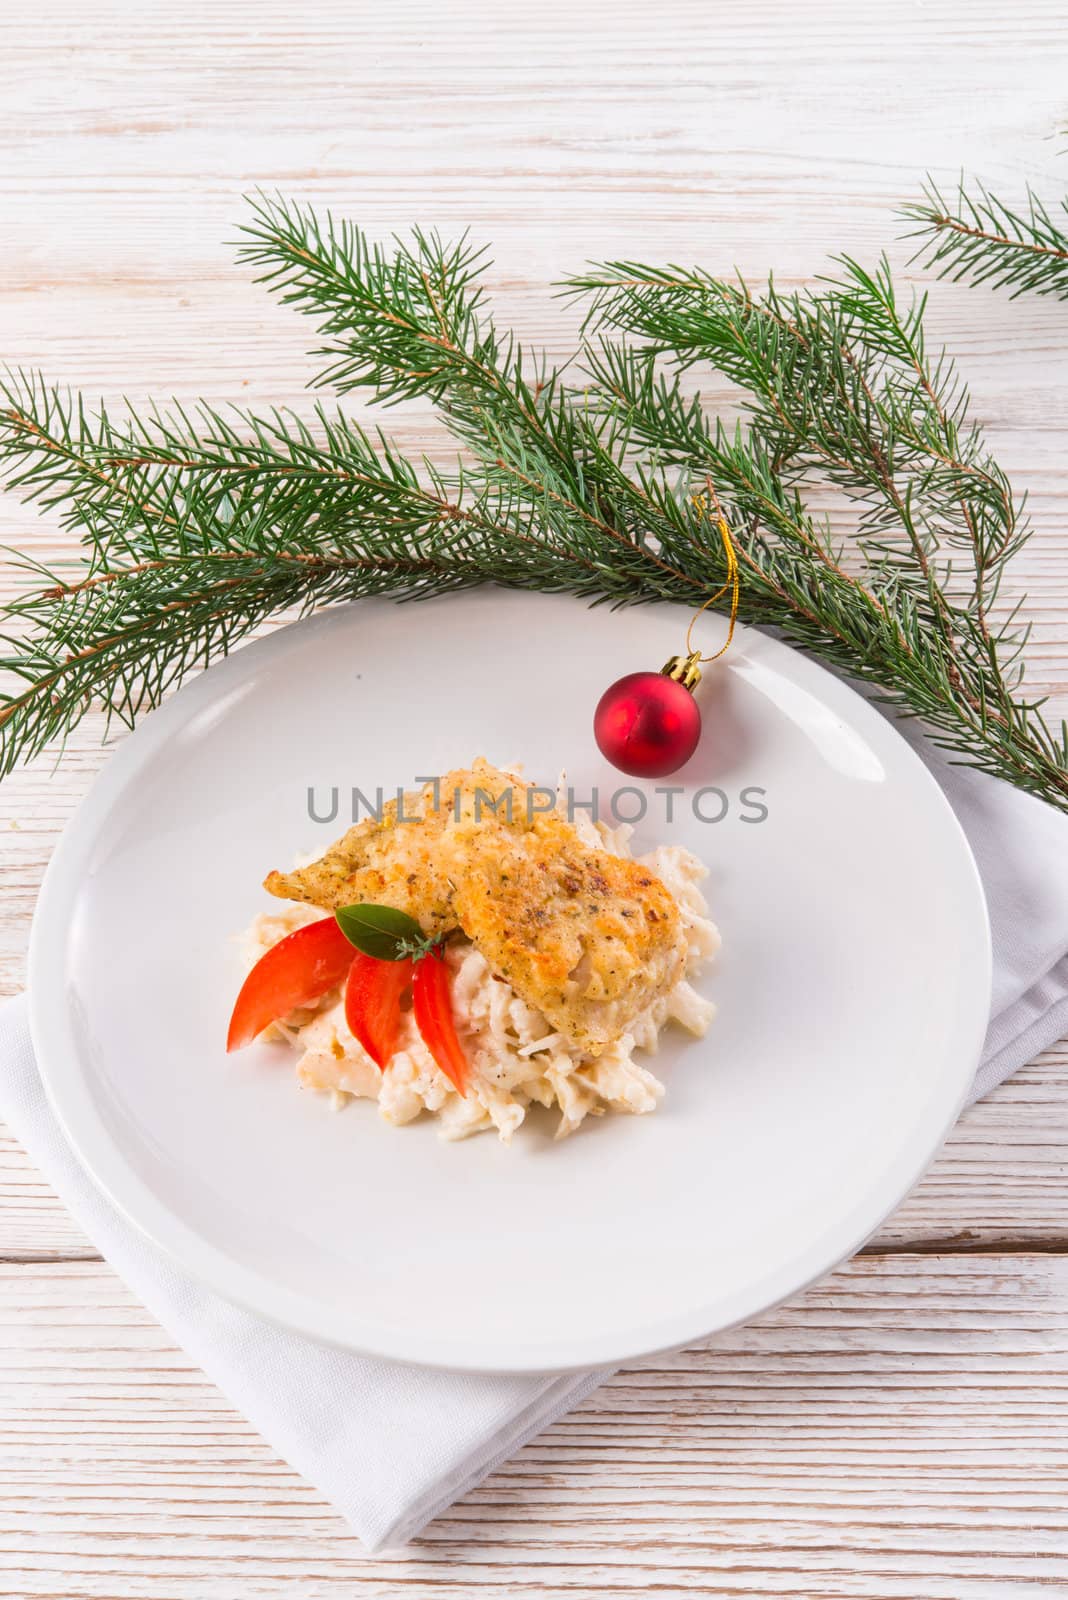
(853, 989)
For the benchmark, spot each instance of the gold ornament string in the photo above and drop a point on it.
(733, 583)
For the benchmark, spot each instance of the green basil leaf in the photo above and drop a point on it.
(381, 931)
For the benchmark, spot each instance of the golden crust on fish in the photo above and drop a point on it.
(381, 862)
(402, 864)
(587, 938)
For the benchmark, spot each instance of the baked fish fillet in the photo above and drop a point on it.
(382, 862)
(587, 938)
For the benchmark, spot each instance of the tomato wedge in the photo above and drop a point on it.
(296, 971)
(373, 993)
(432, 1005)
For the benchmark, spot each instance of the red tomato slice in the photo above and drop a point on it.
(373, 994)
(297, 971)
(432, 1005)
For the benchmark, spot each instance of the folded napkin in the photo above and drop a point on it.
(392, 1446)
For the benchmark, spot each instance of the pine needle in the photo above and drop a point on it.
(197, 524)
(976, 236)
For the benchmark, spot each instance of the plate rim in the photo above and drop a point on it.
(55, 1046)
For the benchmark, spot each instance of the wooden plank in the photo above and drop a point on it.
(899, 1431)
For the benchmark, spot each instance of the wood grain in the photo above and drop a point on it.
(897, 1432)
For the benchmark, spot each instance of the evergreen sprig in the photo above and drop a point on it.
(976, 236)
(199, 524)
(840, 388)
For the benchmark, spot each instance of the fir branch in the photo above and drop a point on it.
(840, 386)
(978, 237)
(408, 323)
(127, 635)
(198, 525)
(173, 481)
(416, 322)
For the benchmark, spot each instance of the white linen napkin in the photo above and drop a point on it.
(392, 1446)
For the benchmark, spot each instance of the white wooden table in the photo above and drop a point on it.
(898, 1431)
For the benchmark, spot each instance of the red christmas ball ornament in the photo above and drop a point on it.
(648, 723)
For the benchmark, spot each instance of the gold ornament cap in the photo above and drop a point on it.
(684, 669)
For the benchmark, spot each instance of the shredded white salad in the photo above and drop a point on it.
(516, 1059)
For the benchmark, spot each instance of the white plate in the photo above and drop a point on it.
(853, 990)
